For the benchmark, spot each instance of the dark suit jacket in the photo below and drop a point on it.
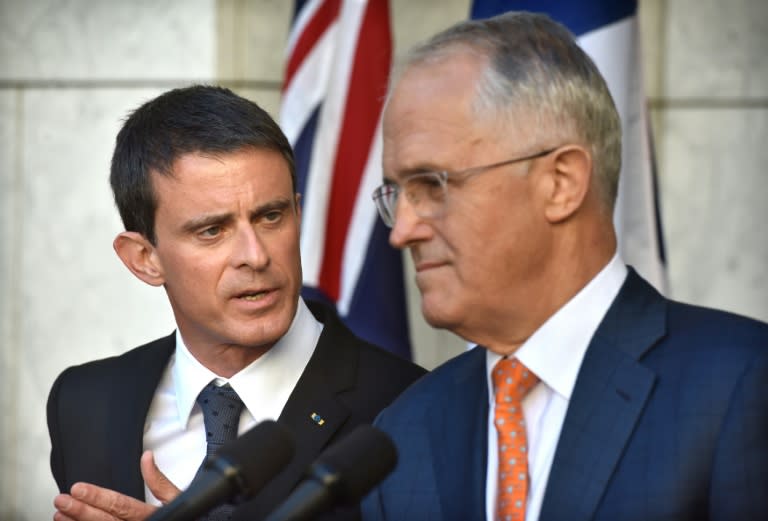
(668, 421)
(96, 411)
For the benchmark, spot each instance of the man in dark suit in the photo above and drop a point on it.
(204, 182)
(592, 397)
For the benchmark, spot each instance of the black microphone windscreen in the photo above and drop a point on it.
(240, 468)
(362, 459)
(259, 454)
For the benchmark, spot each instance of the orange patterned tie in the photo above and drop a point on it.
(511, 382)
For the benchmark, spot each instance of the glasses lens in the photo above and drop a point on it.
(385, 198)
(425, 193)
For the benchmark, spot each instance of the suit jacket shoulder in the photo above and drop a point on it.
(668, 390)
(465, 369)
(378, 375)
(439, 428)
(96, 413)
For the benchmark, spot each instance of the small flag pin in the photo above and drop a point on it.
(317, 418)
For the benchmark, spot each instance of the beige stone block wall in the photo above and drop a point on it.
(70, 71)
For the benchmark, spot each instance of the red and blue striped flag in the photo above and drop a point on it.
(339, 56)
(607, 30)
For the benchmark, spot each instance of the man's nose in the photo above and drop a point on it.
(408, 227)
(249, 249)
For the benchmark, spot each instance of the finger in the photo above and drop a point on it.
(157, 482)
(71, 509)
(103, 504)
(61, 499)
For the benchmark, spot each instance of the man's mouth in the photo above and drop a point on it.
(428, 265)
(253, 296)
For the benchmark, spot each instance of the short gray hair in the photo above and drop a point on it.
(536, 69)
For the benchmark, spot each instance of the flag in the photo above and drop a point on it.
(339, 56)
(607, 31)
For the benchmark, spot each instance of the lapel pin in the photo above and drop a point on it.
(317, 418)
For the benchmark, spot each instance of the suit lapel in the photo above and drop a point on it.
(313, 413)
(458, 427)
(608, 399)
(130, 397)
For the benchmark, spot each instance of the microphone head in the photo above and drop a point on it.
(255, 457)
(356, 464)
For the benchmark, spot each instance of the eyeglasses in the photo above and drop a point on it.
(426, 192)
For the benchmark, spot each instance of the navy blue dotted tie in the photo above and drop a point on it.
(221, 414)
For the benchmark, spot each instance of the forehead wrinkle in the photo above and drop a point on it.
(441, 148)
(430, 122)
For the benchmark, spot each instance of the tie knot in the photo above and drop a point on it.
(511, 381)
(221, 413)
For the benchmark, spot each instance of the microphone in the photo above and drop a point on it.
(239, 468)
(341, 475)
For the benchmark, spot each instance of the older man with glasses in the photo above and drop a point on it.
(592, 397)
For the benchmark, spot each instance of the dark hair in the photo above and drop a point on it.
(201, 118)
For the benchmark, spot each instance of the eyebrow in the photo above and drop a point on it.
(422, 169)
(203, 221)
(196, 223)
(410, 172)
(278, 204)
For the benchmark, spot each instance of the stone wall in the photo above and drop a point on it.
(71, 70)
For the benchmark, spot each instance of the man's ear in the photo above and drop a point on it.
(139, 256)
(572, 174)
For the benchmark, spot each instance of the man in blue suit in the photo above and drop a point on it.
(502, 150)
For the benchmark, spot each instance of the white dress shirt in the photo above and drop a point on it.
(174, 427)
(554, 354)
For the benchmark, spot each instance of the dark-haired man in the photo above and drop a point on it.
(592, 398)
(204, 182)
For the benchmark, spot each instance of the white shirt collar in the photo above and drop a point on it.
(264, 385)
(554, 352)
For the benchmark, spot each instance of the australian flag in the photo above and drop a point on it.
(339, 56)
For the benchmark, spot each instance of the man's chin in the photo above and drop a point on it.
(258, 335)
(263, 338)
(438, 314)
(262, 328)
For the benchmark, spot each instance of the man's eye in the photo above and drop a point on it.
(211, 231)
(427, 182)
(426, 186)
(273, 216)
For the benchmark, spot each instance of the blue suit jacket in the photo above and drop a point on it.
(668, 421)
